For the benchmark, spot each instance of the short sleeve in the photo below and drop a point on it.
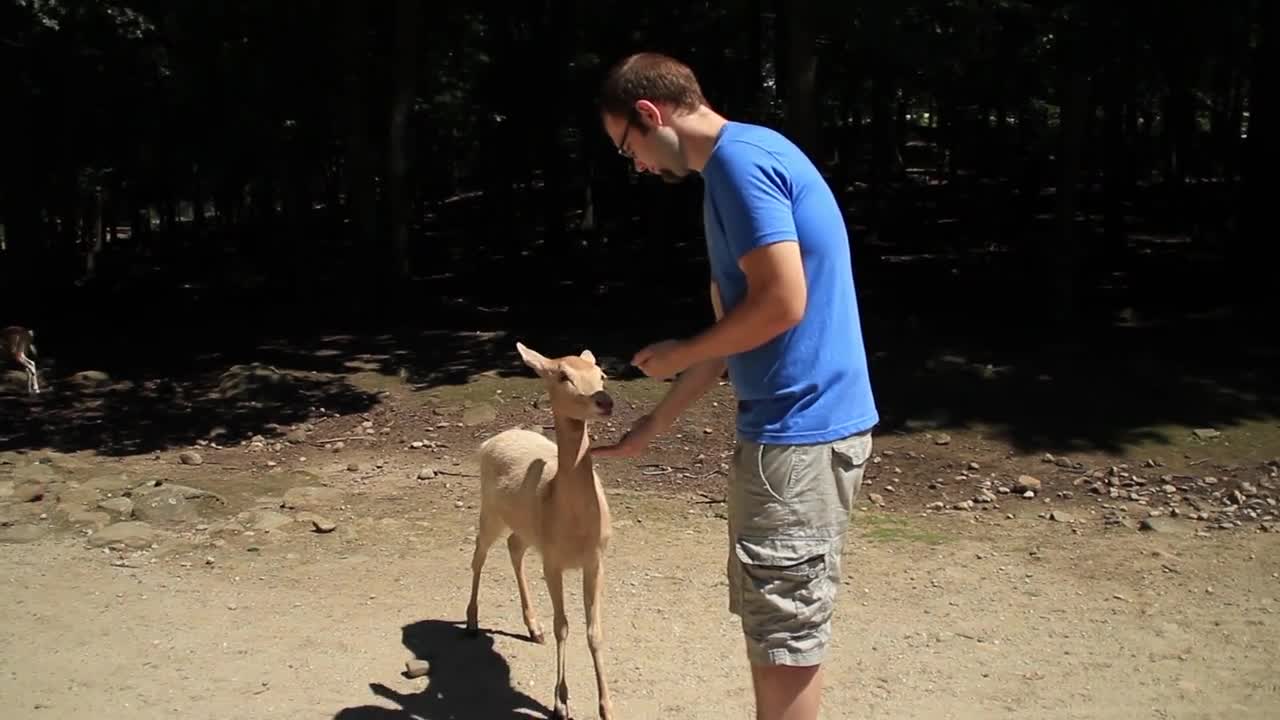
(752, 193)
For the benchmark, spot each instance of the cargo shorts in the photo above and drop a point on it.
(789, 509)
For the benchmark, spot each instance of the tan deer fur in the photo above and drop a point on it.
(18, 343)
(550, 498)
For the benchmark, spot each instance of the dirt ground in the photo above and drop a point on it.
(285, 574)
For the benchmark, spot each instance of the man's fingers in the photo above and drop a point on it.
(643, 356)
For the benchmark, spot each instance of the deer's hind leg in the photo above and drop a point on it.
(517, 547)
(487, 531)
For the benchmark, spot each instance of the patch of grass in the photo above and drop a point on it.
(882, 527)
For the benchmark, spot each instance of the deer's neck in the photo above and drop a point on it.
(573, 450)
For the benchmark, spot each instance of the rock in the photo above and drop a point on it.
(190, 457)
(168, 502)
(426, 474)
(974, 466)
(876, 499)
(1063, 462)
(984, 496)
(939, 505)
(29, 492)
(323, 525)
(1047, 458)
(479, 414)
(353, 467)
(131, 534)
(19, 534)
(94, 519)
(79, 497)
(417, 668)
(1206, 433)
(296, 436)
(121, 507)
(110, 483)
(264, 520)
(90, 378)
(1062, 517)
(966, 505)
(311, 497)
(1159, 524)
(942, 439)
(416, 444)
(1026, 483)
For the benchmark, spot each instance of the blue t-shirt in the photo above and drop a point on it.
(809, 384)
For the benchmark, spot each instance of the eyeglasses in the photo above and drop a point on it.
(622, 143)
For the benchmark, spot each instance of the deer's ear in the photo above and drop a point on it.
(588, 356)
(533, 359)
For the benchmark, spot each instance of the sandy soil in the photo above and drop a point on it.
(214, 593)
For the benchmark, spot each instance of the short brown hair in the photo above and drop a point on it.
(649, 76)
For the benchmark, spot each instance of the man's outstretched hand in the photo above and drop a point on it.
(633, 442)
(663, 360)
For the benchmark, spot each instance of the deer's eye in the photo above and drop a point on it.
(564, 377)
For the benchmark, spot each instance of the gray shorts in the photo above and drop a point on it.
(789, 509)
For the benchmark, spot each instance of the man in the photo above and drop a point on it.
(787, 328)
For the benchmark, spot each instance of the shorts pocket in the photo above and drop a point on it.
(786, 585)
(851, 453)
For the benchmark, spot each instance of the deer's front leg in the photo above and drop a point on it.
(555, 587)
(33, 377)
(592, 595)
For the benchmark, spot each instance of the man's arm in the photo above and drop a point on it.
(694, 382)
(774, 303)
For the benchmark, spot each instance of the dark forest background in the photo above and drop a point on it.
(1073, 190)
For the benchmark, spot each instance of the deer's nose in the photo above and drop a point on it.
(604, 402)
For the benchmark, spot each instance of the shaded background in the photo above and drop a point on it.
(1057, 209)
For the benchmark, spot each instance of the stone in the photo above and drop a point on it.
(131, 534)
(190, 457)
(20, 534)
(479, 414)
(121, 507)
(29, 492)
(311, 497)
(1026, 483)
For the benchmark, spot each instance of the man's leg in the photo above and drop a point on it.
(788, 514)
(786, 692)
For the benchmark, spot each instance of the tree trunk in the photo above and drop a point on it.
(1115, 186)
(99, 237)
(802, 71)
(1064, 255)
(399, 151)
(361, 193)
(1255, 251)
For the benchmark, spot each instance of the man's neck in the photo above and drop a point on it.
(698, 132)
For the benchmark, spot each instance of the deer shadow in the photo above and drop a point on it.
(468, 679)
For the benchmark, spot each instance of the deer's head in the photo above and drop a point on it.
(575, 383)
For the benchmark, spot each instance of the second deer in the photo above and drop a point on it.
(550, 498)
(19, 344)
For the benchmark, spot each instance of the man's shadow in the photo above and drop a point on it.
(468, 679)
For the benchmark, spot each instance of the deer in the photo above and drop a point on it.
(550, 498)
(19, 344)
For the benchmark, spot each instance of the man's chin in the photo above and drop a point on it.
(672, 178)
